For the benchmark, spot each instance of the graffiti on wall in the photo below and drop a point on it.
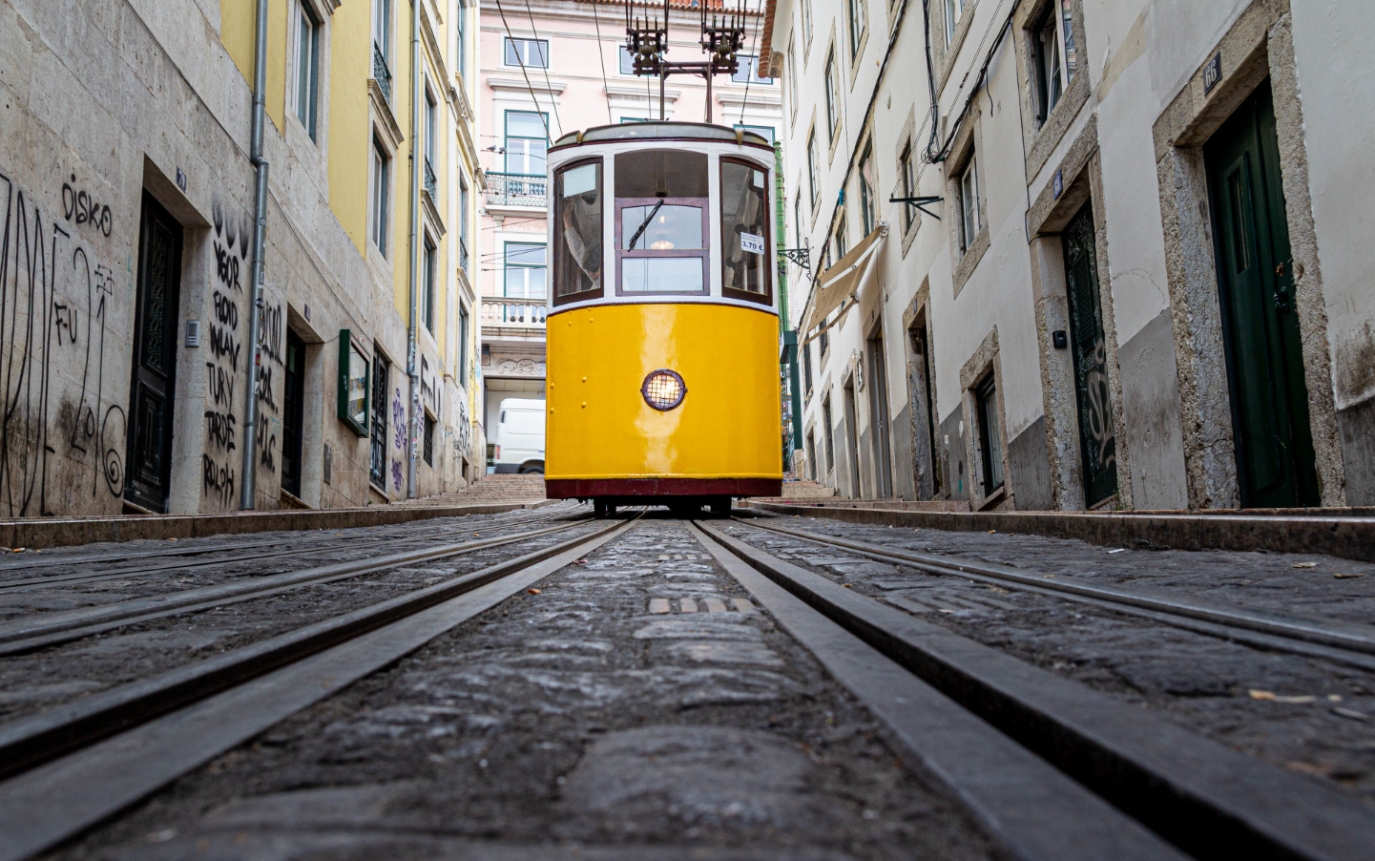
(271, 335)
(230, 244)
(54, 317)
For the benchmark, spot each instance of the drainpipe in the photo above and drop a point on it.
(256, 275)
(412, 322)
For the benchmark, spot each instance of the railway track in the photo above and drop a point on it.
(1204, 798)
(70, 767)
(1347, 644)
(1050, 769)
(332, 544)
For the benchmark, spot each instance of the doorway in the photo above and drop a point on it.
(149, 446)
(928, 475)
(1274, 445)
(1088, 345)
(852, 439)
(879, 419)
(293, 413)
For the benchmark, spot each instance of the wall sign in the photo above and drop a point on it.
(1212, 73)
(353, 384)
(1057, 185)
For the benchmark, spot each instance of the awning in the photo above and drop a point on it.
(839, 283)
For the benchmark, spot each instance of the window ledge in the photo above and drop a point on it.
(969, 261)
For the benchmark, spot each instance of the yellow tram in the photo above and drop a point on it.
(662, 321)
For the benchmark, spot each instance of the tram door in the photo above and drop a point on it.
(149, 453)
(1274, 446)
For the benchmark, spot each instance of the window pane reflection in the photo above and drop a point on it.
(661, 227)
(661, 275)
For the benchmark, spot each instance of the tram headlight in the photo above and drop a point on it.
(663, 389)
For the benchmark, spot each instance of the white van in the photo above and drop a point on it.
(520, 436)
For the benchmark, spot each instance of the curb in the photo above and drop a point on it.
(1350, 537)
(44, 533)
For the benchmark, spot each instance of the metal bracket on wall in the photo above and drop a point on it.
(920, 203)
(801, 256)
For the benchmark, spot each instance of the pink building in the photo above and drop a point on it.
(562, 67)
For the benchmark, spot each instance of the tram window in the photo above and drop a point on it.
(661, 222)
(578, 231)
(744, 231)
(661, 173)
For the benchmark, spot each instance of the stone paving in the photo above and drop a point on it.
(635, 705)
(1310, 715)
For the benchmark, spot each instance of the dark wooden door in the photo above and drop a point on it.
(1274, 446)
(149, 447)
(878, 414)
(293, 413)
(1097, 442)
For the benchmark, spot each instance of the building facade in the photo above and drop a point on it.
(556, 68)
(128, 201)
(1073, 255)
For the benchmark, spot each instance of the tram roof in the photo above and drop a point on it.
(654, 130)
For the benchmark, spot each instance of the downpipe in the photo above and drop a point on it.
(260, 166)
(412, 323)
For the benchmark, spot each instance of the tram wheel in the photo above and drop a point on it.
(601, 509)
(720, 506)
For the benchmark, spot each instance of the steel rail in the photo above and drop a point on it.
(57, 559)
(1202, 796)
(25, 635)
(37, 738)
(1279, 632)
(328, 544)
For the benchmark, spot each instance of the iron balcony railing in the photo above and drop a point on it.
(462, 255)
(501, 311)
(431, 184)
(517, 189)
(380, 72)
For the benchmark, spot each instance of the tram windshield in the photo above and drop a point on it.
(578, 217)
(744, 231)
(661, 222)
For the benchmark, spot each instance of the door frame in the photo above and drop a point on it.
(880, 413)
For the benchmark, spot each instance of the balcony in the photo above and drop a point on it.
(517, 189)
(380, 72)
(525, 314)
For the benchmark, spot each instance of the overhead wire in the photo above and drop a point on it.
(749, 75)
(606, 86)
(553, 103)
(521, 61)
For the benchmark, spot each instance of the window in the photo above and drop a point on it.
(377, 464)
(807, 368)
(381, 190)
(381, 28)
(855, 9)
(793, 72)
(765, 132)
(990, 442)
(832, 98)
(807, 22)
(533, 53)
(1054, 56)
(661, 222)
(867, 204)
(828, 434)
(627, 62)
(813, 184)
(823, 343)
(527, 141)
(525, 270)
(842, 238)
(953, 9)
(307, 67)
(461, 36)
(744, 231)
(968, 192)
(909, 185)
(427, 448)
(748, 71)
(578, 231)
(462, 344)
(462, 222)
(431, 121)
(427, 298)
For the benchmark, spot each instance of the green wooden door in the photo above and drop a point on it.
(1097, 438)
(1274, 447)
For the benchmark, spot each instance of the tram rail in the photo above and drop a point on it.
(106, 751)
(1349, 644)
(1203, 797)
